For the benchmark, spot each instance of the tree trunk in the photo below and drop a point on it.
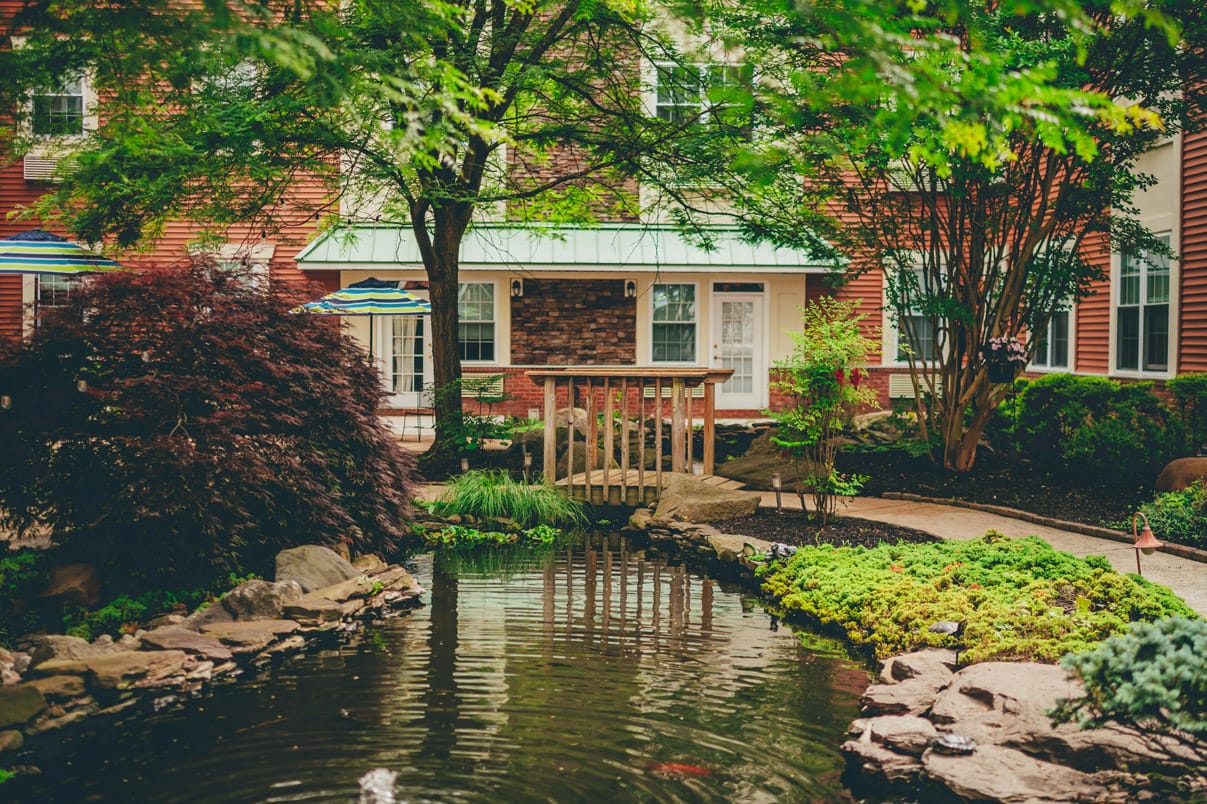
(443, 270)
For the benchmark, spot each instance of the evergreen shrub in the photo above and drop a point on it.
(1189, 392)
(1178, 516)
(1092, 425)
(1019, 598)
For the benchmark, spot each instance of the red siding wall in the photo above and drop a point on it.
(1093, 315)
(1192, 316)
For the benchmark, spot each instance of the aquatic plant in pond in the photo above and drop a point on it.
(1019, 598)
(467, 537)
(494, 494)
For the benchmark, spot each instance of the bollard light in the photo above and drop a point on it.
(6, 402)
(777, 483)
(464, 465)
(81, 386)
(527, 465)
(1144, 541)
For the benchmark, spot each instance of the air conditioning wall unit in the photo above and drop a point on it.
(41, 168)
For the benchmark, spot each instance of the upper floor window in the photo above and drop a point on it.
(1052, 351)
(673, 335)
(476, 316)
(59, 113)
(695, 92)
(1142, 313)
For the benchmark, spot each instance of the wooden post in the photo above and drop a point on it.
(687, 403)
(609, 415)
(658, 432)
(677, 452)
(641, 440)
(710, 431)
(549, 459)
(592, 435)
(624, 441)
(570, 435)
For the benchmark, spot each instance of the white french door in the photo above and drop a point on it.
(739, 344)
(405, 358)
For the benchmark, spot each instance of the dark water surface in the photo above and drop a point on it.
(592, 673)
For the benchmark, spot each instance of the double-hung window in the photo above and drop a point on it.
(54, 290)
(695, 92)
(1052, 351)
(1142, 313)
(916, 332)
(674, 324)
(476, 316)
(59, 112)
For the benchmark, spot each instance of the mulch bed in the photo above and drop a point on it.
(1002, 480)
(793, 527)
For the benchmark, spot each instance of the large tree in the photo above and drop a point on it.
(417, 113)
(983, 191)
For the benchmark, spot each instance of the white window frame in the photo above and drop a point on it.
(494, 322)
(254, 258)
(891, 329)
(64, 90)
(695, 322)
(702, 107)
(1070, 341)
(1141, 305)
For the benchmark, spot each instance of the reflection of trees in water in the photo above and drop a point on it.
(441, 699)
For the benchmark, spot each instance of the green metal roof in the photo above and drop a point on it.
(623, 246)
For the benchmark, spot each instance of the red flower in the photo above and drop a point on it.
(855, 377)
(838, 376)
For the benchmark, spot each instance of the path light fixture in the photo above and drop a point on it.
(81, 386)
(6, 402)
(527, 465)
(1145, 541)
(464, 465)
(777, 483)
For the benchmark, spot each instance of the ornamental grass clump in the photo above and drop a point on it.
(494, 494)
(1019, 598)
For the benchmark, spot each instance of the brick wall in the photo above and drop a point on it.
(560, 322)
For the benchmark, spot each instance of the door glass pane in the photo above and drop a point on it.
(737, 345)
(406, 366)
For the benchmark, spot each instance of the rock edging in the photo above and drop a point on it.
(65, 679)
(1017, 754)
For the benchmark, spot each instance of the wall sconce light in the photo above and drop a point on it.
(6, 402)
(517, 288)
(630, 288)
(1145, 541)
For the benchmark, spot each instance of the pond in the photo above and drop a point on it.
(586, 673)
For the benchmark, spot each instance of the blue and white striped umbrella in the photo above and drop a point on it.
(40, 252)
(369, 297)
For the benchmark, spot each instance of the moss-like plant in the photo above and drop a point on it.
(1019, 598)
(490, 494)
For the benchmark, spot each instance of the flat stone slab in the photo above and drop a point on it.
(994, 773)
(58, 688)
(176, 638)
(313, 610)
(250, 636)
(119, 671)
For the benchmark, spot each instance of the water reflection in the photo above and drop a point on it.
(582, 674)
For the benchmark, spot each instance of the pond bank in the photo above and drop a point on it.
(65, 680)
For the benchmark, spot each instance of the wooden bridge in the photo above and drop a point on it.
(619, 402)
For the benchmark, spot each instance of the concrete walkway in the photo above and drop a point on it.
(1185, 577)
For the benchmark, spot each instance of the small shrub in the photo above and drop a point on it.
(1189, 392)
(822, 380)
(1093, 425)
(1178, 516)
(1154, 676)
(494, 494)
(1019, 598)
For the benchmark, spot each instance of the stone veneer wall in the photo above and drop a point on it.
(577, 322)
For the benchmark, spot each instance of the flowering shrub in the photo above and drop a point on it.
(1004, 351)
(822, 378)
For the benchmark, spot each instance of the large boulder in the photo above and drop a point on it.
(1181, 473)
(914, 696)
(262, 600)
(934, 663)
(314, 567)
(1003, 702)
(994, 773)
(75, 583)
(120, 671)
(55, 647)
(906, 734)
(20, 704)
(173, 637)
(689, 498)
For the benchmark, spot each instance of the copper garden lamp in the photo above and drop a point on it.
(1145, 541)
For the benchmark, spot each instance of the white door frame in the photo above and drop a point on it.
(758, 399)
(383, 344)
